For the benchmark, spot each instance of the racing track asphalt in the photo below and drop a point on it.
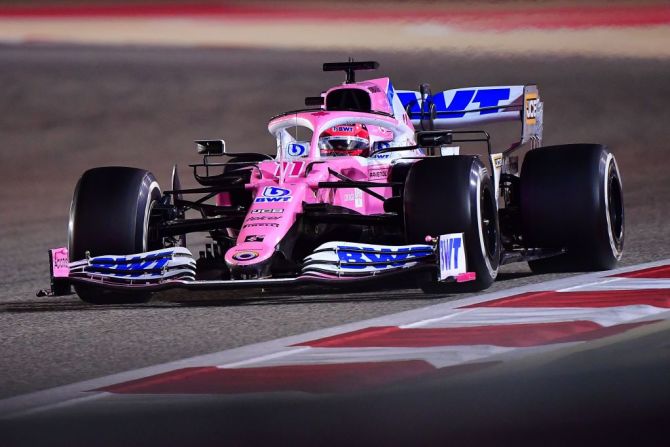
(65, 109)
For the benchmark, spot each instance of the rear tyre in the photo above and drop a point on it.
(455, 195)
(572, 198)
(109, 215)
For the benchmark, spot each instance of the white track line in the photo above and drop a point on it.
(595, 283)
(264, 358)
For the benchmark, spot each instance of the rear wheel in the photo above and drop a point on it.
(455, 195)
(572, 199)
(109, 215)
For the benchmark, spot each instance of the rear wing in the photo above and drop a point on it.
(466, 107)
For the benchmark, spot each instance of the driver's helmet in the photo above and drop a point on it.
(345, 139)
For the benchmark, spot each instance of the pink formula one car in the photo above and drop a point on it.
(355, 194)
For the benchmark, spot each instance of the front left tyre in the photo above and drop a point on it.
(455, 194)
(109, 215)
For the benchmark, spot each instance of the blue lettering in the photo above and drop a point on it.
(459, 102)
(389, 95)
(350, 257)
(135, 266)
(449, 253)
(491, 98)
(409, 99)
(388, 256)
(456, 245)
(384, 258)
(446, 255)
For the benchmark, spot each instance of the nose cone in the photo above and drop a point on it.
(271, 215)
(249, 260)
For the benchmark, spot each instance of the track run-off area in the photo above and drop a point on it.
(534, 359)
(538, 332)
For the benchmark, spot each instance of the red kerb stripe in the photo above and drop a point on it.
(326, 378)
(660, 272)
(605, 298)
(505, 335)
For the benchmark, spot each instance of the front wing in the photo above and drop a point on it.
(333, 263)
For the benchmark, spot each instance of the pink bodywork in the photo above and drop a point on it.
(60, 262)
(280, 187)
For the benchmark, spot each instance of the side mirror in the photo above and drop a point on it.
(314, 101)
(434, 138)
(211, 147)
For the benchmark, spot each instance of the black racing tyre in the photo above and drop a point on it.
(455, 195)
(572, 198)
(109, 215)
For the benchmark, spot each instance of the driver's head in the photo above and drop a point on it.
(345, 139)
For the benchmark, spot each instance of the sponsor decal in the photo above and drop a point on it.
(356, 197)
(386, 257)
(254, 218)
(381, 156)
(297, 150)
(378, 173)
(291, 169)
(274, 191)
(390, 93)
(381, 145)
(274, 225)
(459, 100)
(497, 160)
(245, 255)
(254, 238)
(60, 259)
(267, 210)
(532, 103)
(135, 266)
(452, 255)
(274, 194)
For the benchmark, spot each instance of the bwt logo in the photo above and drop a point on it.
(449, 253)
(386, 257)
(129, 267)
(486, 99)
(297, 150)
(274, 194)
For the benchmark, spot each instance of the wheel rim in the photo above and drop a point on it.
(489, 229)
(615, 206)
(149, 242)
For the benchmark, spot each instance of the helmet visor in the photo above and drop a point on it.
(343, 143)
